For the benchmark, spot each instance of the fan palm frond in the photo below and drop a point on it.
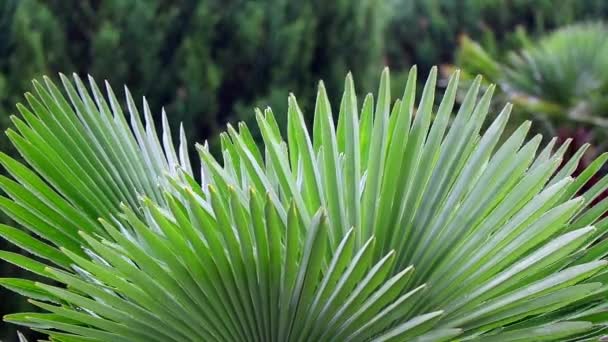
(398, 223)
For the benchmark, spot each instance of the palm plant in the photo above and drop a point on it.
(560, 78)
(393, 225)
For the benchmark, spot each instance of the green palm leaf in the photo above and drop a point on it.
(399, 223)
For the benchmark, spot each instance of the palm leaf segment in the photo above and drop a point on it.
(311, 239)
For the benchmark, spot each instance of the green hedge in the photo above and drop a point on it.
(207, 62)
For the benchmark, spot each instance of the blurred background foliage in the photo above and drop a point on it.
(559, 79)
(210, 62)
(206, 62)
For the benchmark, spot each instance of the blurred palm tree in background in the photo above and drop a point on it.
(559, 79)
(562, 78)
